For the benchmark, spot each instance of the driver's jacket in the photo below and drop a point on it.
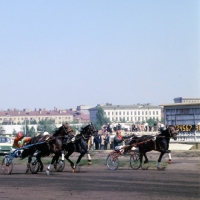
(18, 143)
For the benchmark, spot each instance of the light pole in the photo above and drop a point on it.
(25, 127)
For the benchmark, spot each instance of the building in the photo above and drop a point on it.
(14, 116)
(128, 113)
(184, 113)
(186, 100)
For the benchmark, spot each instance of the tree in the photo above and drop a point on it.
(30, 132)
(46, 126)
(101, 119)
(150, 121)
(14, 132)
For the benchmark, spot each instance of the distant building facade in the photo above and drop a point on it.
(59, 116)
(128, 113)
(186, 100)
(184, 114)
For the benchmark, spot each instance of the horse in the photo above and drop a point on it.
(48, 144)
(79, 144)
(159, 143)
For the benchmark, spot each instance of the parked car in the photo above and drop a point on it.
(5, 145)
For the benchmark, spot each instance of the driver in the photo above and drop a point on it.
(20, 141)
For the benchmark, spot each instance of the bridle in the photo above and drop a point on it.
(67, 129)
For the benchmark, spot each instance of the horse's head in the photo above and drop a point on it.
(172, 132)
(65, 129)
(89, 130)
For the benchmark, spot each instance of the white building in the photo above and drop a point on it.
(128, 113)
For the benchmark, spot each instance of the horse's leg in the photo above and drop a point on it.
(79, 158)
(38, 157)
(141, 158)
(89, 158)
(57, 155)
(52, 162)
(146, 159)
(141, 161)
(67, 158)
(170, 158)
(159, 160)
(28, 164)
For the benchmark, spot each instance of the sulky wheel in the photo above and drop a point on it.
(135, 161)
(7, 165)
(34, 166)
(59, 166)
(112, 161)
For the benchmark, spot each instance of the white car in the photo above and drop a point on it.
(5, 145)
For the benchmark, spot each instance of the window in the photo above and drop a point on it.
(116, 113)
(156, 112)
(108, 113)
(135, 113)
(153, 112)
(127, 113)
(138, 112)
(146, 112)
(149, 112)
(142, 113)
(123, 113)
(127, 118)
(138, 118)
(119, 113)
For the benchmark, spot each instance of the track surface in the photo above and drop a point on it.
(180, 181)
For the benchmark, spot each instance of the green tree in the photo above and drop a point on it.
(46, 126)
(101, 118)
(150, 121)
(14, 132)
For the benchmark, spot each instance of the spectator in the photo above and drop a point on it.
(145, 127)
(102, 141)
(92, 142)
(118, 127)
(97, 141)
(133, 127)
(109, 128)
(155, 126)
(111, 141)
(106, 141)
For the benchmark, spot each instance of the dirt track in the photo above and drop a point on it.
(180, 181)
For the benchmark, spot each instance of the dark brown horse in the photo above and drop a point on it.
(78, 143)
(48, 144)
(159, 143)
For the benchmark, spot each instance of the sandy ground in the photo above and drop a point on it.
(179, 181)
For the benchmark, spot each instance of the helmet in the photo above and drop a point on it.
(45, 133)
(19, 135)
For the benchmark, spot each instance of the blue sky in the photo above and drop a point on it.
(86, 52)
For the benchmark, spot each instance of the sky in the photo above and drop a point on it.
(84, 52)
